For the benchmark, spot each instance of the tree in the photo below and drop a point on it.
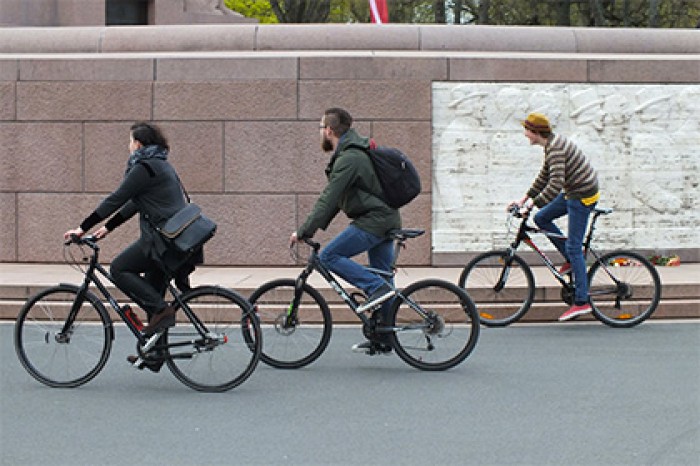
(601, 13)
(301, 11)
(484, 17)
(597, 13)
(440, 14)
(653, 13)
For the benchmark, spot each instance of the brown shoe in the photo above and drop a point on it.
(164, 319)
(153, 365)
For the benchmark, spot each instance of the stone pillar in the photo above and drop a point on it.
(92, 12)
(52, 13)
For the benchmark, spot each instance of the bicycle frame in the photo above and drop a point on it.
(91, 277)
(523, 236)
(314, 263)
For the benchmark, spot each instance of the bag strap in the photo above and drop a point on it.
(182, 187)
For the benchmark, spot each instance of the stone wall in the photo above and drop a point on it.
(240, 105)
(641, 137)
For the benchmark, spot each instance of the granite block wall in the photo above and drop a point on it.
(240, 105)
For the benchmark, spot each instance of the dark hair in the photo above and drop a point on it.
(338, 119)
(148, 135)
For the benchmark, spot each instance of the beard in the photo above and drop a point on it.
(326, 145)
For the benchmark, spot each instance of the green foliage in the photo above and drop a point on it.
(259, 9)
(604, 13)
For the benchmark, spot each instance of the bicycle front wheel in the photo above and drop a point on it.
(292, 342)
(502, 294)
(58, 356)
(227, 354)
(624, 289)
(435, 326)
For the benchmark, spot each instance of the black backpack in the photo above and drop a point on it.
(397, 175)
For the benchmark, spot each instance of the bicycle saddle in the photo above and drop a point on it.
(603, 210)
(403, 234)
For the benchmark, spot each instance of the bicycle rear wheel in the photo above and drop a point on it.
(624, 289)
(501, 295)
(227, 354)
(57, 358)
(290, 345)
(436, 327)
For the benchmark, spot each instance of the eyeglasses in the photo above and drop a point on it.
(323, 126)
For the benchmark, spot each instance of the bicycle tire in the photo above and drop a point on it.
(63, 360)
(449, 336)
(303, 343)
(634, 299)
(498, 308)
(228, 354)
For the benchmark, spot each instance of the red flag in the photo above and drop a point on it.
(378, 11)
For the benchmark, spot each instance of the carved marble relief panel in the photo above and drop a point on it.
(643, 139)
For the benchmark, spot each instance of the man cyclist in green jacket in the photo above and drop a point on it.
(354, 188)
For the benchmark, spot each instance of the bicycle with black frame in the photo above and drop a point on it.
(63, 334)
(624, 287)
(432, 324)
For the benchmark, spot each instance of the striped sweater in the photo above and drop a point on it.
(565, 168)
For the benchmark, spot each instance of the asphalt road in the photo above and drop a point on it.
(538, 395)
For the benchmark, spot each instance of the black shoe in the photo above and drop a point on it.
(384, 293)
(160, 321)
(371, 347)
(153, 364)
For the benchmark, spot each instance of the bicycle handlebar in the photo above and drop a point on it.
(88, 240)
(514, 211)
(316, 246)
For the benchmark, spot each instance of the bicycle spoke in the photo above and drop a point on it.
(443, 334)
(501, 295)
(62, 363)
(291, 347)
(224, 357)
(624, 289)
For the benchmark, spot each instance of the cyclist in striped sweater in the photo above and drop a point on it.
(567, 184)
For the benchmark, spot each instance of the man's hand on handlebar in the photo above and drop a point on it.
(294, 239)
(101, 232)
(522, 207)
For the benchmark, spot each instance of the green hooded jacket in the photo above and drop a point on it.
(354, 188)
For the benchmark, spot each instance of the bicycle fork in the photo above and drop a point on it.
(290, 319)
(505, 271)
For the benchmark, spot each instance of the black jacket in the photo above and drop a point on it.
(150, 187)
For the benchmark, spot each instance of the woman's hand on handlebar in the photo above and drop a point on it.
(101, 232)
(74, 232)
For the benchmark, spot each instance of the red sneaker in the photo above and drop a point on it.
(566, 268)
(575, 311)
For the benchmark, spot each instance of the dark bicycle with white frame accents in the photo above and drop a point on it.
(63, 334)
(432, 325)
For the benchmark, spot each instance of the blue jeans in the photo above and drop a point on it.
(351, 242)
(572, 248)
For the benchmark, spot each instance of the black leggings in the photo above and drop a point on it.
(150, 288)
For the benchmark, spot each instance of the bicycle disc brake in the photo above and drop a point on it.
(285, 325)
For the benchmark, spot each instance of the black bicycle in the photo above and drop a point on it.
(433, 323)
(624, 287)
(63, 334)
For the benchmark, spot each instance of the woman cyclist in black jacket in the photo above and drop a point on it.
(152, 188)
